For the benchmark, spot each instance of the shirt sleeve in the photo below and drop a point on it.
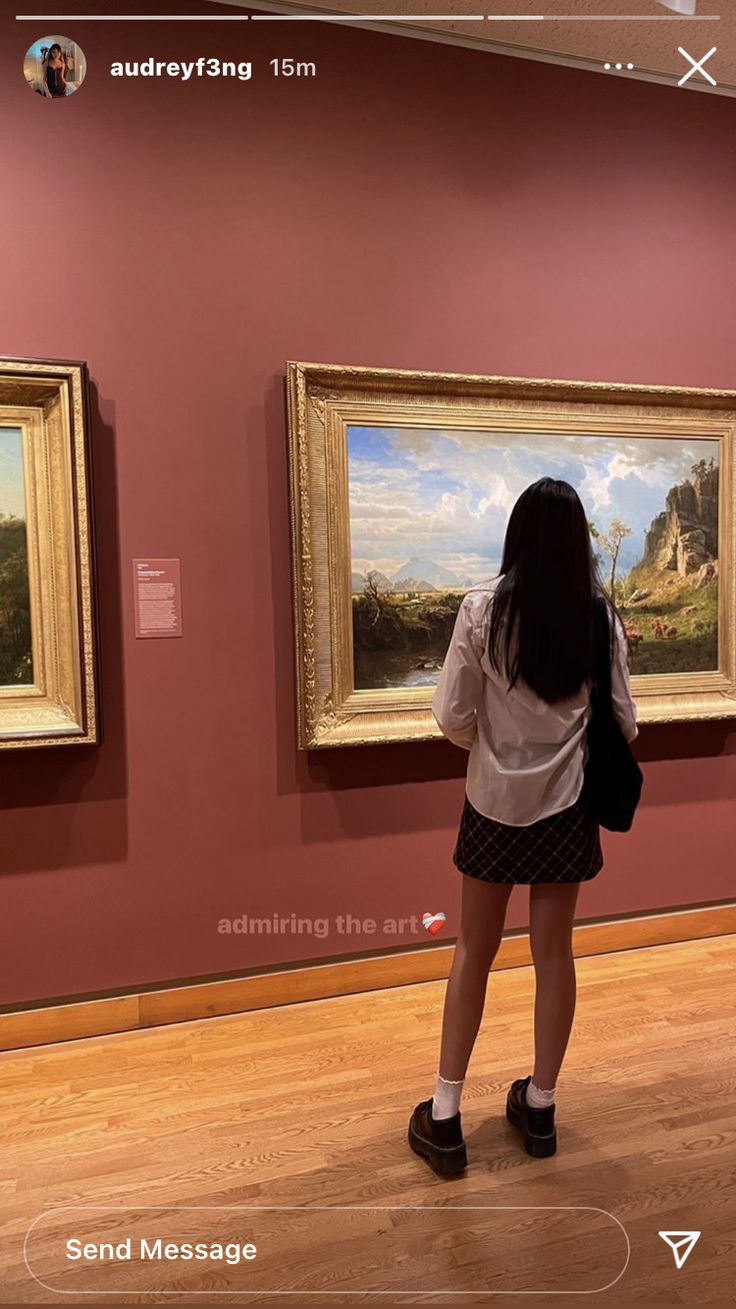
(621, 697)
(459, 687)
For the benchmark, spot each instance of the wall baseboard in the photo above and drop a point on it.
(184, 1003)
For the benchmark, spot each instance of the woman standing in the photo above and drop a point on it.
(515, 691)
(55, 72)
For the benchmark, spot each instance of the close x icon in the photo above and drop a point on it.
(697, 66)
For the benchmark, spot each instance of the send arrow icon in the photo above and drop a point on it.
(681, 1244)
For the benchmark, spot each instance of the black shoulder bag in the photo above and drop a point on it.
(613, 779)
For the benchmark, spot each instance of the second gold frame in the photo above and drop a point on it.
(48, 675)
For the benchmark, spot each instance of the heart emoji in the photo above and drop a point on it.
(434, 922)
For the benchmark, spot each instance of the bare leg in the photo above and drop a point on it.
(552, 912)
(481, 926)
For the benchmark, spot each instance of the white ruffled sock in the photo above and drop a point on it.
(537, 1098)
(446, 1100)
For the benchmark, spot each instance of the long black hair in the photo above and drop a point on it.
(541, 620)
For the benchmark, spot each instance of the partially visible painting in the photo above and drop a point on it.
(402, 484)
(428, 512)
(48, 678)
(16, 652)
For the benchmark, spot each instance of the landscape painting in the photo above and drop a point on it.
(428, 509)
(402, 483)
(16, 659)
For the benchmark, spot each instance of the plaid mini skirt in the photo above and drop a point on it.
(564, 847)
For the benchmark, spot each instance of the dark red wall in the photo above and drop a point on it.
(417, 205)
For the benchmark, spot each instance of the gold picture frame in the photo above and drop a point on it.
(325, 399)
(47, 621)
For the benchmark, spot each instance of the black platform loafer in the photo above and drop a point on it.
(537, 1126)
(438, 1140)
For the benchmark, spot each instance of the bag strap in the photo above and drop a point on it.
(602, 656)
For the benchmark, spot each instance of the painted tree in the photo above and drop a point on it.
(594, 537)
(610, 542)
(15, 616)
(372, 590)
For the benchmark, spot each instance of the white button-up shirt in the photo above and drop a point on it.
(526, 756)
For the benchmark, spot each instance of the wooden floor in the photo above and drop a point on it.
(307, 1106)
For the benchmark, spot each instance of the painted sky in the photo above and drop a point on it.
(447, 494)
(12, 497)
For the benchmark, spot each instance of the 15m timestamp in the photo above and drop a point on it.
(287, 67)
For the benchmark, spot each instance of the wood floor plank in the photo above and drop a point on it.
(307, 1106)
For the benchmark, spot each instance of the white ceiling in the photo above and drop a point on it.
(652, 45)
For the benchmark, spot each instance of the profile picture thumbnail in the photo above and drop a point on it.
(55, 67)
